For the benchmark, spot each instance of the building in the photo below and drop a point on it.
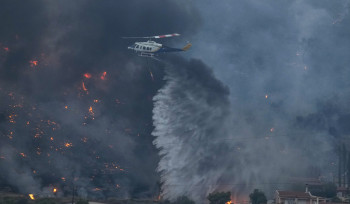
(295, 197)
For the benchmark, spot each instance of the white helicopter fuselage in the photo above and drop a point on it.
(146, 47)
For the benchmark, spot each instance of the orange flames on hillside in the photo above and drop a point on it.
(87, 75)
(33, 63)
(31, 196)
(103, 76)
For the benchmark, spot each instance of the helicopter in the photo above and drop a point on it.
(151, 48)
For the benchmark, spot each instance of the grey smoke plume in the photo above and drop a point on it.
(286, 66)
(190, 116)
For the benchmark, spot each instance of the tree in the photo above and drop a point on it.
(327, 190)
(183, 200)
(257, 197)
(219, 197)
(81, 201)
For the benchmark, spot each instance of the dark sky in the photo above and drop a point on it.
(260, 98)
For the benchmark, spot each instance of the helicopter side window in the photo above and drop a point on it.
(137, 46)
(144, 48)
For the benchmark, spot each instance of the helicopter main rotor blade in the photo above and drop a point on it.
(157, 36)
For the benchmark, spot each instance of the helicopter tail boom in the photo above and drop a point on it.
(188, 46)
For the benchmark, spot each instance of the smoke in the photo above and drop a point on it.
(285, 66)
(76, 105)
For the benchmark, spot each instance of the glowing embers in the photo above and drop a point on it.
(68, 144)
(12, 118)
(33, 63)
(84, 88)
(91, 112)
(103, 76)
(31, 196)
(87, 75)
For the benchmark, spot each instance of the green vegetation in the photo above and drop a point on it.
(219, 197)
(179, 200)
(46, 201)
(183, 200)
(13, 200)
(257, 197)
(82, 201)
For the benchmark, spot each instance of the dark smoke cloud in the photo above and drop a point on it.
(45, 107)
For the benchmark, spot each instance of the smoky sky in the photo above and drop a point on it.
(76, 106)
(287, 67)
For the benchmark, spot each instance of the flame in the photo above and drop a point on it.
(229, 202)
(31, 196)
(103, 76)
(33, 63)
(54, 190)
(83, 86)
(91, 111)
(266, 96)
(87, 75)
(65, 107)
(67, 144)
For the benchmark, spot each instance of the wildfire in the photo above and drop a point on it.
(103, 76)
(54, 190)
(83, 86)
(31, 196)
(229, 202)
(67, 144)
(87, 75)
(12, 118)
(33, 63)
(66, 107)
(91, 111)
